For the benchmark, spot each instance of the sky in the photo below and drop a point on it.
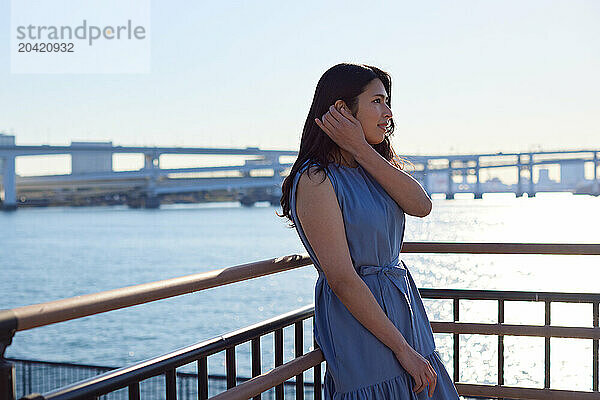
(467, 76)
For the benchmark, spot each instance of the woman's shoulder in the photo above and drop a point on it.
(315, 191)
(312, 176)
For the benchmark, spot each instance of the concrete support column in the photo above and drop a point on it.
(149, 161)
(152, 163)
(478, 194)
(531, 192)
(9, 183)
(596, 185)
(519, 180)
(450, 191)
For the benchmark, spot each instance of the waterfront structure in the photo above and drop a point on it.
(7, 164)
(92, 176)
(93, 180)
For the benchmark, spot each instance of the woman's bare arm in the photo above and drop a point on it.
(321, 220)
(403, 188)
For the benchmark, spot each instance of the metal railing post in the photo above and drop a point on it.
(501, 345)
(456, 312)
(8, 327)
(547, 319)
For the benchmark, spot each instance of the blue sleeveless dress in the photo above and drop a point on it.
(360, 366)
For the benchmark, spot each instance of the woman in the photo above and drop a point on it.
(346, 195)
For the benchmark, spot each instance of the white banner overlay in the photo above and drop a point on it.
(80, 36)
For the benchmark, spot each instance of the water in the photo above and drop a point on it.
(54, 253)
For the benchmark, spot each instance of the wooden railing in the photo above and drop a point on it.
(28, 317)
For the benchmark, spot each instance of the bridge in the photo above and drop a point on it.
(93, 180)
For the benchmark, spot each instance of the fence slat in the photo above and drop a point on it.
(171, 387)
(279, 360)
(134, 391)
(256, 364)
(230, 366)
(316, 373)
(299, 350)
(595, 311)
(547, 346)
(456, 336)
(501, 345)
(202, 379)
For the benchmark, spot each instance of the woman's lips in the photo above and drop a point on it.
(383, 127)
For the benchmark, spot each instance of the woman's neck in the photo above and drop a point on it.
(345, 158)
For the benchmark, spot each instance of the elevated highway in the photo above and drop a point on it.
(93, 180)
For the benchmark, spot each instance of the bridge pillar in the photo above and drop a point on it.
(531, 192)
(596, 185)
(151, 163)
(247, 201)
(8, 181)
(151, 201)
(450, 191)
(478, 194)
(519, 192)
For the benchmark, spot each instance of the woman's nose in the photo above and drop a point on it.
(388, 112)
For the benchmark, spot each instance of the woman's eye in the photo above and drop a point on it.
(379, 100)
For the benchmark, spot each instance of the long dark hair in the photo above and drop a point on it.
(340, 82)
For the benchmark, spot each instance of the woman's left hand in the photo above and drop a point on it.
(343, 129)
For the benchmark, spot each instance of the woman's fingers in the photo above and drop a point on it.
(428, 379)
(323, 127)
(433, 381)
(424, 379)
(344, 117)
(327, 117)
(418, 384)
(335, 114)
(349, 116)
(329, 126)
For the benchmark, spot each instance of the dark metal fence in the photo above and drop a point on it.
(34, 376)
(132, 381)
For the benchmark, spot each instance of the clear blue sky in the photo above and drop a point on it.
(468, 76)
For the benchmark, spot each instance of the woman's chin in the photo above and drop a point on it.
(377, 140)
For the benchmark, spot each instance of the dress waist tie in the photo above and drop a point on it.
(397, 274)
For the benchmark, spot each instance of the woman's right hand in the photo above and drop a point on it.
(419, 368)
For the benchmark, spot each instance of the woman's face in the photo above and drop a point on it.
(373, 112)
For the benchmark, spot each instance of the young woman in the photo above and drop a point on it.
(346, 195)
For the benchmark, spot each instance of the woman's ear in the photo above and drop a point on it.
(339, 104)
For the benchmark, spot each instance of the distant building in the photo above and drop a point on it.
(85, 162)
(7, 140)
(437, 182)
(572, 172)
(544, 176)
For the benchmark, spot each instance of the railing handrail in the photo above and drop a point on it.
(576, 249)
(42, 314)
(510, 295)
